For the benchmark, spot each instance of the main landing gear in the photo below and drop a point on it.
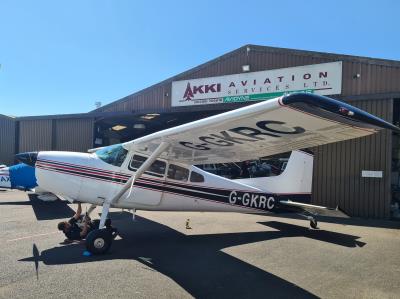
(99, 241)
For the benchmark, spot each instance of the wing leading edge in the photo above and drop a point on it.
(275, 126)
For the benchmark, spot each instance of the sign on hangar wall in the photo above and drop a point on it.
(323, 79)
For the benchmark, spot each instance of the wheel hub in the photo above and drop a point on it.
(99, 243)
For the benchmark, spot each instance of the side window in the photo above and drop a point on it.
(136, 162)
(196, 177)
(157, 168)
(178, 173)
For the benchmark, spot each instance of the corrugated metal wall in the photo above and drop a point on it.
(7, 140)
(337, 169)
(35, 135)
(73, 134)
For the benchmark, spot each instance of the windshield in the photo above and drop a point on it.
(113, 154)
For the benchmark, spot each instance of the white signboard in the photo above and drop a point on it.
(371, 174)
(323, 79)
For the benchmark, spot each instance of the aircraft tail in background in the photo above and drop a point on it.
(295, 179)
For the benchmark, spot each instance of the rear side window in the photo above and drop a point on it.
(178, 173)
(196, 177)
(136, 162)
(157, 168)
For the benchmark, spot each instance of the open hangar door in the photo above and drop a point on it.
(125, 127)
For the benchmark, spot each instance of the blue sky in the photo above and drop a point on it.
(60, 57)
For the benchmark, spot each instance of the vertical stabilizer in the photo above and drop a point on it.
(296, 178)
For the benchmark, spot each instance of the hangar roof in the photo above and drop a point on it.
(315, 56)
(6, 116)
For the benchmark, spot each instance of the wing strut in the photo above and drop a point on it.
(129, 184)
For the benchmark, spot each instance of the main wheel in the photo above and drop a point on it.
(99, 241)
(314, 223)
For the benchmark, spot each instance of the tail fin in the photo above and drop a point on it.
(295, 179)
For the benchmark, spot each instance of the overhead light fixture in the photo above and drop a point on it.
(139, 126)
(118, 127)
(149, 116)
(246, 68)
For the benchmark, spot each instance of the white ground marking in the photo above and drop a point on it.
(32, 236)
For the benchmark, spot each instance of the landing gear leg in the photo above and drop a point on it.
(91, 209)
(99, 241)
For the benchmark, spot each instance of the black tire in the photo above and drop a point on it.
(99, 241)
(314, 224)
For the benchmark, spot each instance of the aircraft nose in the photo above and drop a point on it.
(28, 158)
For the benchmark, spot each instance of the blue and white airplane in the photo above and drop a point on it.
(22, 177)
(156, 172)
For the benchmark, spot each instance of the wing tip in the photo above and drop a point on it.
(340, 109)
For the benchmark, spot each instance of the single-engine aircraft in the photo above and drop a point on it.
(157, 172)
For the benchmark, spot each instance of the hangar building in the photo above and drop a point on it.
(361, 176)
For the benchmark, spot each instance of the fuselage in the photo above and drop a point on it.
(92, 178)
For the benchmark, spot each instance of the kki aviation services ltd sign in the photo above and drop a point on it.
(323, 79)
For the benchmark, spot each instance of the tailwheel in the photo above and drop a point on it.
(99, 241)
(313, 223)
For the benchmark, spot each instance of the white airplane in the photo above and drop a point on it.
(156, 172)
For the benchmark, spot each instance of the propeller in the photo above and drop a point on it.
(28, 158)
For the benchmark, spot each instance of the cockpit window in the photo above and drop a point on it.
(156, 169)
(113, 154)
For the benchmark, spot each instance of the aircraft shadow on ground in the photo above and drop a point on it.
(196, 262)
(49, 210)
(364, 222)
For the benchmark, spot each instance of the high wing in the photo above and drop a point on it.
(283, 124)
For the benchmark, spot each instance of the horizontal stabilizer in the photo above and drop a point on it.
(315, 210)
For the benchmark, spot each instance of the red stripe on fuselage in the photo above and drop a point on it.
(52, 165)
(82, 166)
